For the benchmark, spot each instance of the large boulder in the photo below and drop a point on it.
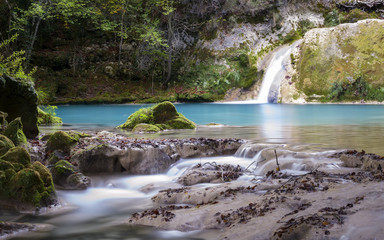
(145, 160)
(163, 116)
(98, 159)
(5, 144)
(3, 120)
(14, 131)
(19, 99)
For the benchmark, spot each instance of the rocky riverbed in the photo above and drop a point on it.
(314, 193)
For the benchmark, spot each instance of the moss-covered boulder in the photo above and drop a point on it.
(5, 144)
(163, 115)
(44, 118)
(24, 186)
(65, 176)
(145, 128)
(18, 156)
(18, 98)
(60, 141)
(14, 131)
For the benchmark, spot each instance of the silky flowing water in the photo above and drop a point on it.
(97, 213)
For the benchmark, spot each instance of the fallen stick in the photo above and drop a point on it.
(277, 162)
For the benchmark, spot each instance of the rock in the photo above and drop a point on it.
(19, 156)
(163, 115)
(47, 119)
(5, 144)
(14, 131)
(24, 185)
(210, 173)
(98, 159)
(145, 160)
(18, 98)
(12, 229)
(56, 156)
(60, 141)
(3, 119)
(355, 159)
(65, 176)
(145, 128)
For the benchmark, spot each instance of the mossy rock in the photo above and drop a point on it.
(14, 131)
(60, 141)
(146, 128)
(5, 144)
(18, 155)
(61, 171)
(77, 135)
(45, 174)
(3, 119)
(44, 118)
(28, 186)
(164, 112)
(163, 115)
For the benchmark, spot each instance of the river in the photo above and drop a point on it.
(97, 212)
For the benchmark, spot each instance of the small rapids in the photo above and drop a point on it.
(99, 211)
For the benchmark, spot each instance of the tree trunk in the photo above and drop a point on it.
(169, 63)
(33, 39)
(121, 37)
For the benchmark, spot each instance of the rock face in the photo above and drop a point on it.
(24, 186)
(19, 99)
(161, 116)
(343, 62)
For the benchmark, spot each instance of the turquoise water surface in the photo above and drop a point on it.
(233, 114)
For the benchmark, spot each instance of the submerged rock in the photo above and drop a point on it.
(145, 128)
(163, 116)
(14, 131)
(19, 99)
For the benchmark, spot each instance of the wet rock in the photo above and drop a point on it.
(210, 173)
(14, 131)
(60, 141)
(145, 160)
(11, 229)
(367, 161)
(5, 144)
(19, 99)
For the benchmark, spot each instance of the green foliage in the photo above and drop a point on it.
(12, 64)
(331, 18)
(47, 115)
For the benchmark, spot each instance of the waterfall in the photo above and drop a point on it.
(275, 72)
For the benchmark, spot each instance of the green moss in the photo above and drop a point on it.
(18, 155)
(28, 186)
(14, 131)
(147, 128)
(46, 118)
(45, 174)
(60, 141)
(61, 171)
(164, 115)
(5, 144)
